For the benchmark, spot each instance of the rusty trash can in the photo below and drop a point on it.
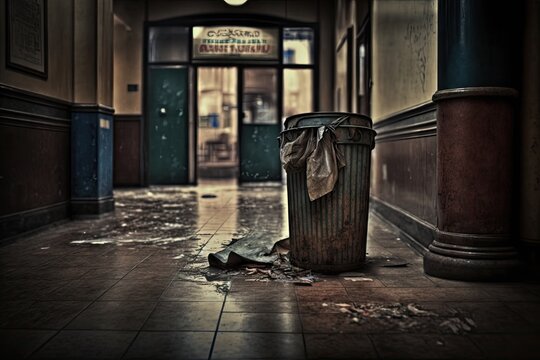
(327, 156)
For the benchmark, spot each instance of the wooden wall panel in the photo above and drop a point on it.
(404, 174)
(34, 165)
(34, 161)
(406, 177)
(127, 150)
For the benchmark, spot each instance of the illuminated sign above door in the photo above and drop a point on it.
(240, 42)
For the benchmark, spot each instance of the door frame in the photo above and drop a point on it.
(193, 65)
(239, 103)
(279, 107)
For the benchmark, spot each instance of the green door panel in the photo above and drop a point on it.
(259, 160)
(168, 125)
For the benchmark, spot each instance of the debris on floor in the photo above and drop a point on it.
(283, 271)
(261, 259)
(256, 248)
(405, 316)
(459, 325)
(359, 278)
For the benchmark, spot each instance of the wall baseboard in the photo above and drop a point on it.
(417, 232)
(84, 208)
(14, 224)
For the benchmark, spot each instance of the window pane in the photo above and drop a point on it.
(168, 44)
(297, 91)
(218, 121)
(259, 96)
(298, 46)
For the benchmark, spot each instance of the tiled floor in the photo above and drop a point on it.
(128, 286)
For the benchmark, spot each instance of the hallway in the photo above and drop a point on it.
(136, 284)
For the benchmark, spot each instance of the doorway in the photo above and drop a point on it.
(217, 125)
(216, 95)
(237, 126)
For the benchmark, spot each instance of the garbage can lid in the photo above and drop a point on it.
(321, 118)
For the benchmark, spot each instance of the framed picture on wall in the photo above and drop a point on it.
(26, 36)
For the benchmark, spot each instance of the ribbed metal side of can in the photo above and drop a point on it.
(329, 234)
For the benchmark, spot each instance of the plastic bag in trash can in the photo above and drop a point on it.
(318, 151)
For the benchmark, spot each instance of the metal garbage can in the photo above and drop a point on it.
(328, 234)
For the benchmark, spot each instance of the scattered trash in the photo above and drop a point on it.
(208, 196)
(254, 248)
(178, 257)
(459, 325)
(324, 305)
(352, 274)
(282, 271)
(405, 316)
(45, 248)
(354, 279)
(416, 311)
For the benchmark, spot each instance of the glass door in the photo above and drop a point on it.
(260, 126)
(217, 130)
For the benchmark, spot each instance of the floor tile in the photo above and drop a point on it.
(506, 346)
(113, 315)
(530, 311)
(372, 295)
(75, 344)
(350, 283)
(151, 273)
(107, 273)
(339, 346)
(329, 323)
(85, 289)
(231, 345)
(19, 344)
(184, 316)
(10, 308)
(46, 315)
(171, 345)
(261, 307)
(152, 293)
(260, 322)
(417, 346)
(265, 295)
(317, 307)
(493, 318)
(136, 290)
(511, 294)
(29, 289)
(407, 281)
(191, 291)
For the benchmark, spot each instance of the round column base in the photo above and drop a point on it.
(465, 268)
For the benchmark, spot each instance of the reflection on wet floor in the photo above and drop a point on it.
(137, 284)
(178, 217)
